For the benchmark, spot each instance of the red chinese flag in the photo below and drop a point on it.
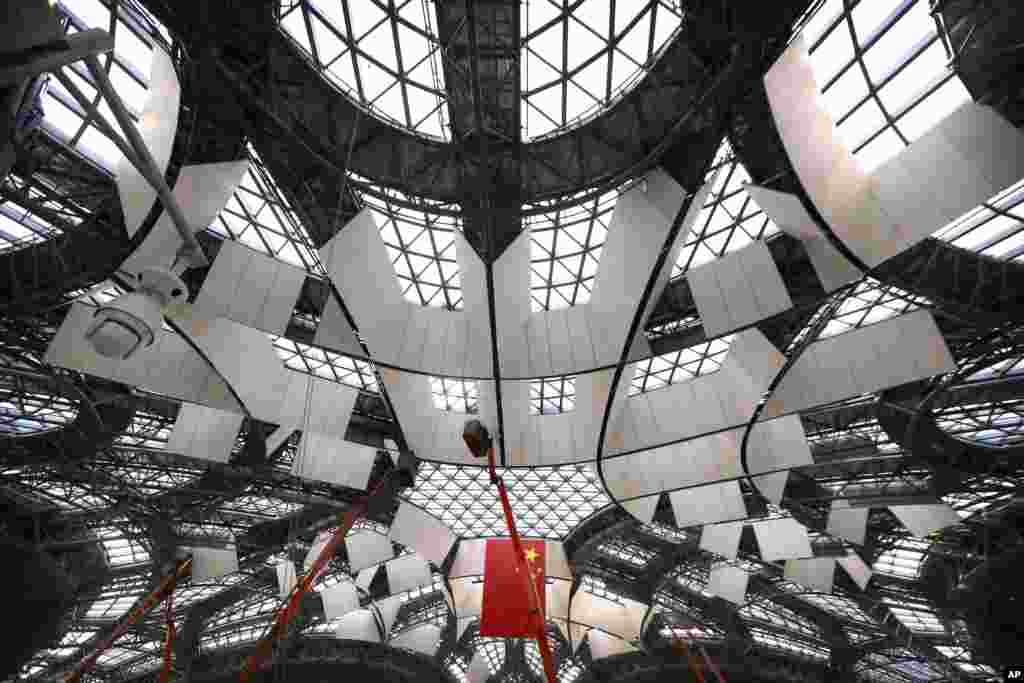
(506, 608)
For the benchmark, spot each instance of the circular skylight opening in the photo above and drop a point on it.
(577, 58)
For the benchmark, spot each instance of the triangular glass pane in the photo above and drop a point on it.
(577, 102)
(364, 15)
(295, 26)
(421, 104)
(634, 43)
(328, 45)
(392, 103)
(332, 11)
(624, 13)
(539, 12)
(596, 15)
(342, 73)
(536, 71)
(593, 78)
(665, 24)
(582, 45)
(380, 44)
(549, 101)
(414, 46)
(623, 69)
(549, 45)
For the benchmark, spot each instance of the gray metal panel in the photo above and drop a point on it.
(763, 277)
(207, 433)
(777, 444)
(721, 502)
(334, 460)
(281, 298)
(246, 359)
(410, 354)
(157, 127)
(708, 297)
(367, 548)
(582, 345)
(722, 539)
(339, 600)
(421, 531)
(847, 523)
(408, 572)
(782, 539)
(201, 191)
(559, 342)
(737, 291)
(539, 348)
(212, 563)
(856, 568)
(786, 211)
(217, 294)
(728, 582)
(642, 508)
(816, 572)
(922, 520)
(334, 332)
(436, 338)
(647, 413)
(358, 625)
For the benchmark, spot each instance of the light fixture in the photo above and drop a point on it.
(130, 322)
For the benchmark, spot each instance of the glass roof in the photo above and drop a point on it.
(128, 67)
(576, 58)
(260, 217)
(884, 74)
(565, 251)
(730, 218)
(548, 502)
(995, 229)
(384, 55)
(553, 396)
(679, 366)
(421, 244)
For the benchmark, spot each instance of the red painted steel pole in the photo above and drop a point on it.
(535, 604)
(165, 588)
(265, 648)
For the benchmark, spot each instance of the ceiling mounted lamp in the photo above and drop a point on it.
(123, 326)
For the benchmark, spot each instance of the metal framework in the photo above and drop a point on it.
(116, 503)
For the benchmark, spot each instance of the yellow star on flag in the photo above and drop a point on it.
(531, 555)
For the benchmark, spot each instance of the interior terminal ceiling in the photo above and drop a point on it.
(737, 294)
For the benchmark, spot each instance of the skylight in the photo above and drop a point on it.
(565, 250)
(871, 302)
(420, 243)
(577, 58)
(679, 366)
(319, 362)
(729, 220)
(384, 55)
(995, 229)
(998, 424)
(548, 502)
(128, 67)
(259, 216)
(454, 395)
(884, 74)
(552, 396)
